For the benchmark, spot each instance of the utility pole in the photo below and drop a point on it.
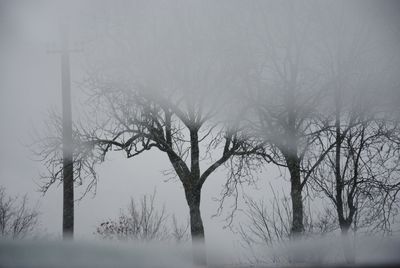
(68, 161)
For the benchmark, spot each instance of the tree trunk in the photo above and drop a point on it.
(68, 166)
(348, 250)
(297, 229)
(196, 226)
(68, 200)
(344, 228)
(296, 196)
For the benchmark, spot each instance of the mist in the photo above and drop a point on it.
(264, 128)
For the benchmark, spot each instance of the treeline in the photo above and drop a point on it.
(310, 87)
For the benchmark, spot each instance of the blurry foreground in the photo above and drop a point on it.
(328, 252)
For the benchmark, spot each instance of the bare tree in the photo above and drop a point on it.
(364, 160)
(285, 93)
(360, 174)
(143, 222)
(142, 122)
(17, 220)
(267, 226)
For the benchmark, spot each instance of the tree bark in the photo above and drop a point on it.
(338, 177)
(196, 225)
(68, 165)
(297, 229)
(296, 196)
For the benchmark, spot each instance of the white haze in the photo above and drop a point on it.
(203, 48)
(317, 252)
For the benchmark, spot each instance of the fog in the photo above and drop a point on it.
(100, 254)
(221, 63)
